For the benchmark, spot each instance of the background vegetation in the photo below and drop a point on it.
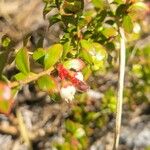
(30, 32)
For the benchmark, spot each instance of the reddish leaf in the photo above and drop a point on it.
(6, 100)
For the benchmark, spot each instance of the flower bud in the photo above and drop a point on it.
(67, 93)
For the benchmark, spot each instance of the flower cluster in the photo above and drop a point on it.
(71, 81)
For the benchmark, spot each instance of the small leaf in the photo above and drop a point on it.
(76, 64)
(85, 51)
(70, 126)
(54, 19)
(127, 24)
(67, 48)
(99, 56)
(21, 76)
(47, 83)
(53, 54)
(94, 53)
(22, 61)
(86, 72)
(39, 53)
(49, 5)
(6, 42)
(98, 3)
(109, 32)
(138, 6)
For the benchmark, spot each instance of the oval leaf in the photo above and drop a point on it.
(127, 24)
(94, 53)
(20, 76)
(39, 53)
(47, 83)
(53, 54)
(22, 61)
(76, 64)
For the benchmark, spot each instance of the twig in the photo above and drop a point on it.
(120, 88)
(23, 129)
(30, 78)
(12, 130)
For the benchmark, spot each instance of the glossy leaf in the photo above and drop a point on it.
(98, 3)
(39, 53)
(21, 76)
(67, 48)
(109, 32)
(93, 53)
(127, 24)
(47, 83)
(76, 64)
(52, 55)
(86, 46)
(22, 61)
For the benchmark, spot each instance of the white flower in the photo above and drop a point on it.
(67, 93)
(136, 28)
(79, 76)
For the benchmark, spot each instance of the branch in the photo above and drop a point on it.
(30, 79)
(120, 88)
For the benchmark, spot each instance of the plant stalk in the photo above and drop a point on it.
(120, 88)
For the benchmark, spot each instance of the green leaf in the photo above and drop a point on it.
(94, 53)
(6, 42)
(127, 24)
(47, 83)
(22, 61)
(99, 56)
(98, 3)
(70, 126)
(21, 76)
(54, 19)
(86, 46)
(49, 5)
(76, 64)
(52, 55)
(39, 53)
(67, 48)
(138, 6)
(109, 32)
(86, 72)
